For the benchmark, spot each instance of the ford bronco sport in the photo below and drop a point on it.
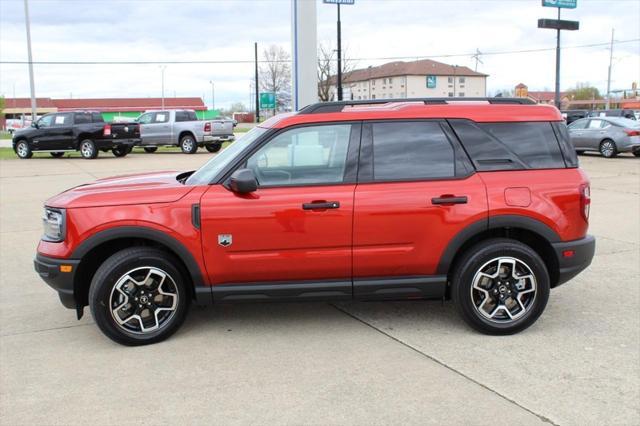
(480, 201)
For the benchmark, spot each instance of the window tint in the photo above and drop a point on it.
(82, 118)
(186, 116)
(579, 124)
(534, 144)
(97, 117)
(46, 121)
(303, 156)
(61, 120)
(411, 150)
(145, 118)
(568, 151)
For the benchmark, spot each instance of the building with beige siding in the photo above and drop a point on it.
(417, 79)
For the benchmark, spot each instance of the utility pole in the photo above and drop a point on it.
(31, 80)
(609, 74)
(339, 82)
(557, 93)
(162, 68)
(255, 52)
(213, 95)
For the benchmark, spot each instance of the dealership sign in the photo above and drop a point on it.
(565, 4)
(431, 81)
(267, 100)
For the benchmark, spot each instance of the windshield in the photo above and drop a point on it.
(205, 174)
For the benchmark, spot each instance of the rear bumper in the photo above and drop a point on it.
(218, 138)
(49, 270)
(112, 143)
(570, 266)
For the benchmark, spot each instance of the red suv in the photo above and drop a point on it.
(479, 201)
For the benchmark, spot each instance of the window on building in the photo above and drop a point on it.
(373, 96)
(461, 94)
(451, 94)
(391, 81)
(461, 80)
(450, 80)
(411, 150)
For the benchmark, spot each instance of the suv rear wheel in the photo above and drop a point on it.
(188, 144)
(501, 286)
(138, 296)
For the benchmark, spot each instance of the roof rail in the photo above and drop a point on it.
(337, 106)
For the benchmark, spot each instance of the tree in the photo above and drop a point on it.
(2, 104)
(275, 75)
(328, 70)
(584, 92)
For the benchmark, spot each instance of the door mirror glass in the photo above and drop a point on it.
(243, 181)
(34, 124)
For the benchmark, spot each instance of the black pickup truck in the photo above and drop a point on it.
(83, 131)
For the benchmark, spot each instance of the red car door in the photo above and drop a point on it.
(416, 191)
(297, 227)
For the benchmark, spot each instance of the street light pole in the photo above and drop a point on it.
(557, 94)
(31, 79)
(339, 56)
(213, 95)
(162, 68)
(609, 73)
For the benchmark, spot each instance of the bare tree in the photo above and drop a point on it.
(328, 69)
(275, 75)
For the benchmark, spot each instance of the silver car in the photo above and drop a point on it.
(607, 135)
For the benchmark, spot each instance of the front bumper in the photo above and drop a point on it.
(570, 266)
(49, 270)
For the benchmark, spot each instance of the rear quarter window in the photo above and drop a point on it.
(510, 146)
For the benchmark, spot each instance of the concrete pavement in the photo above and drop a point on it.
(349, 363)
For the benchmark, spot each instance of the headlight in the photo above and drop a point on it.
(54, 224)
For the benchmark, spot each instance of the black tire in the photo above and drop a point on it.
(56, 154)
(215, 147)
(188, 144)
(608, 148)
(580, 152)
(88, 149)
(121, 151)
(23, 150)
(483, 254)
(112, 272)
(636, 153)
(150, 149)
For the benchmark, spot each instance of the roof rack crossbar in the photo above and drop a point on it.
(338, 106)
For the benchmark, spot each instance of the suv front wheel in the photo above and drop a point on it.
(501, 286)
(138, 296)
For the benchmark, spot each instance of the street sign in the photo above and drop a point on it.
(565, 4)
(339, 1)
(431, 81)
(558, 24)
(267, 100)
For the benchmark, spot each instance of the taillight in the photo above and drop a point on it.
(585, 201)
(107, 130)
(631, 132)
(207, 127)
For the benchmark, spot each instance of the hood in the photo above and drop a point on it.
(146, 188)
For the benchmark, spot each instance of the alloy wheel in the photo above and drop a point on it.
(86, 149)
(503, 289)
(23, 149)
(143, 300)
(607, 149)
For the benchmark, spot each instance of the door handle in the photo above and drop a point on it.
(445, 200)
(321, 205)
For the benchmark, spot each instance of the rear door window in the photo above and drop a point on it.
(595, 124)
(82, 118)
(411, 151)
(62, 120)
(161, 117)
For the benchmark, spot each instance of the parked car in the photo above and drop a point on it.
(574, 114)
(83, 131)
(182, 128)
(624, 113)
(606, 135)
(481, 202)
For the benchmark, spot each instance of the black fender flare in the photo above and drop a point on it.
(148, 234)
(492, 222)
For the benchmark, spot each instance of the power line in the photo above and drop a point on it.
(242, 61)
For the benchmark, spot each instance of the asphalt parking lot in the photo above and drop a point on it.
(362, 363)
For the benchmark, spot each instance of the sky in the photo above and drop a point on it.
(449, 31)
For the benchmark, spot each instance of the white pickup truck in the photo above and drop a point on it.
(182, 128)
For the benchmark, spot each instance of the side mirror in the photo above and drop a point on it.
(34, 124)
(243, 181)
